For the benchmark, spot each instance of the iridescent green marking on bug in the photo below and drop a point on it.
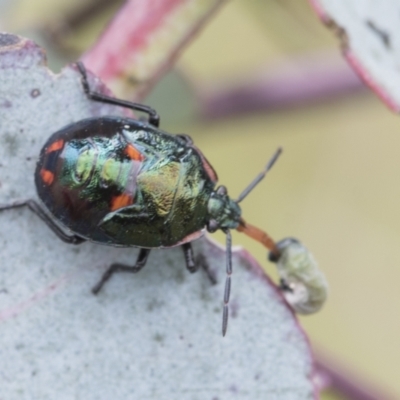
(96, 165)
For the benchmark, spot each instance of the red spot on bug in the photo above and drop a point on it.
(59, 144)
(120, 201)
(133, 153)
(47, 176)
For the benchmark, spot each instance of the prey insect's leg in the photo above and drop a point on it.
(284, 286)
(154, 118)
(189, 258)
(38, 210)
(140, 263)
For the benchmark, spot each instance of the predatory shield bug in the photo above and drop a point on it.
(124, 182)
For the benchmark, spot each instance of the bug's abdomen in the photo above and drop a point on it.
(81, 180)
(122, 182)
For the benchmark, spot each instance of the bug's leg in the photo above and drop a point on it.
(201, 261)
(189, 258)
(227, 292)
(186, 138)
(140, 263)
(154, 118)
(38, 210)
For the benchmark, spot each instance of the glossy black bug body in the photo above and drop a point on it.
(123, 182)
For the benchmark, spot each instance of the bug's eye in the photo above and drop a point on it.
(222, 190)
(212, 225)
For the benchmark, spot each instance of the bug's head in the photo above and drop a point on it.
(224, 213)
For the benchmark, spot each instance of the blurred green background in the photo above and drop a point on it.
(336, 187)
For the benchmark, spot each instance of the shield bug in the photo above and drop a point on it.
(124, 182)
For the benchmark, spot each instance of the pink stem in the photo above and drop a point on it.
(291, 83)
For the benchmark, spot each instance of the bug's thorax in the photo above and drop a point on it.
(223, 212)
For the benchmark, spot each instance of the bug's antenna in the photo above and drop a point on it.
(260, 176)
(227, 292)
